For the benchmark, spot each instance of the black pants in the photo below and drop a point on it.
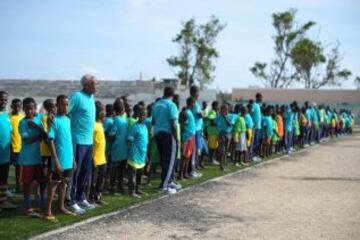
(167, 151)
(97, 182)
(117, 172)
(134, 176)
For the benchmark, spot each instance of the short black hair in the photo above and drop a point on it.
(139, 110)
(60, 98)
(190, 101)
(194, 89)
(47, 103)
(118, 105)
(168, 91)
(109, 108)
(258, 95)
(3, 93)
(215, 104)
(99, 107)
(29, 100)
(15, 101)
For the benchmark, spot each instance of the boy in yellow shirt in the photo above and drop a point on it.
(99, 161)
(15, 117)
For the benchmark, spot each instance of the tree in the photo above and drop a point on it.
(278, 74)
(310, 62)
(357, 82)
(195, 61)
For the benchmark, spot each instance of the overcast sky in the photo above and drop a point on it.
(119, 39)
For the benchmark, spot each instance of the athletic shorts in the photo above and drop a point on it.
(4, 173)
(31, 173)
(249, 137)
(188, 148)
(241, 143)
(213, 142)
(65, 175)
(224, 142)
(267, 140)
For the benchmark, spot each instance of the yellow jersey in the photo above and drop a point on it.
(99, 144)
(44, 146)
(15, 135)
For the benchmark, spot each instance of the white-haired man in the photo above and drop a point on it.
(82, 115)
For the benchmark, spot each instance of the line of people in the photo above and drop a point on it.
(83, 148)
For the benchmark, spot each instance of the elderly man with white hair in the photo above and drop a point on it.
(82, 115)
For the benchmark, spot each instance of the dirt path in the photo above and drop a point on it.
(312, 195)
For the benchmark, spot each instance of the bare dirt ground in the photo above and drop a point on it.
(312, 195)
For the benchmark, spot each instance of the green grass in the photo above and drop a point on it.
(15, 225)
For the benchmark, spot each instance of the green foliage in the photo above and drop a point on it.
(308, 57)
(197, 52)
(278, 73)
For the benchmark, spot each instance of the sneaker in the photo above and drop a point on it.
(76, 209)
(7, 205)
(194, 174)
(86, 205)
(175, 185)
(256, 159)
(169, 191)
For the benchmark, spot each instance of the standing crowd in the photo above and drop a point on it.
(77, 148)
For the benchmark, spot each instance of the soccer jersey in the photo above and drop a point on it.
(60, 132)
(138, 138)
(30, 152)
(289, 120)
(5, 137)
(268, 126)
(164, 112)
(119, 146)
(249, 121)
(44, 147)
(189, 127)
(15, 135)
(82, 115)
(99, 144)
(223, 126)
(256, 114)
(240, 125)
(196, 110)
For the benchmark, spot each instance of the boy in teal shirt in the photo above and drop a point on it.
(119, 146)
(139, 139)
(62, 156)
(31, 133)
(224, 126)
(5, 143)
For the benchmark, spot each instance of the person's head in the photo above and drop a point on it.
(128, 109)
(141, 103)
(267, 111)
(118, 106)
(136, 109)
(149, 109)
(3, 100)
(204, 105)
(140, 113)
(62, 104)
(89, 84)
(249, 107)
(230, 107)
(109, 110)
(168, 92)
(15, 106)
(258, 97)
(176, 100)
(224, 108)
(194, 92)
(29, 106)
(251, 101)
(243, 111)
(237, 108)
(306, 104)
(190, 102)
(50, 106)
(124, 99)
(100, 111)
(215, 105)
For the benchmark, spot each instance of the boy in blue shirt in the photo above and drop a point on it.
(139, 139)
(267, 133)
(5, 146)
(289, 127)
(31, 133)
(224, 126)
(63, 162)
(119, 146)
(188, 130)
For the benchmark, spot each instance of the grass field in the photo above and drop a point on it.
(14, 224)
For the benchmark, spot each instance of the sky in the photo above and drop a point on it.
(123, 39)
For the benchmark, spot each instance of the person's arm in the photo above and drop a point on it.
(174, 115)
(55, 157)
(174, 129)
